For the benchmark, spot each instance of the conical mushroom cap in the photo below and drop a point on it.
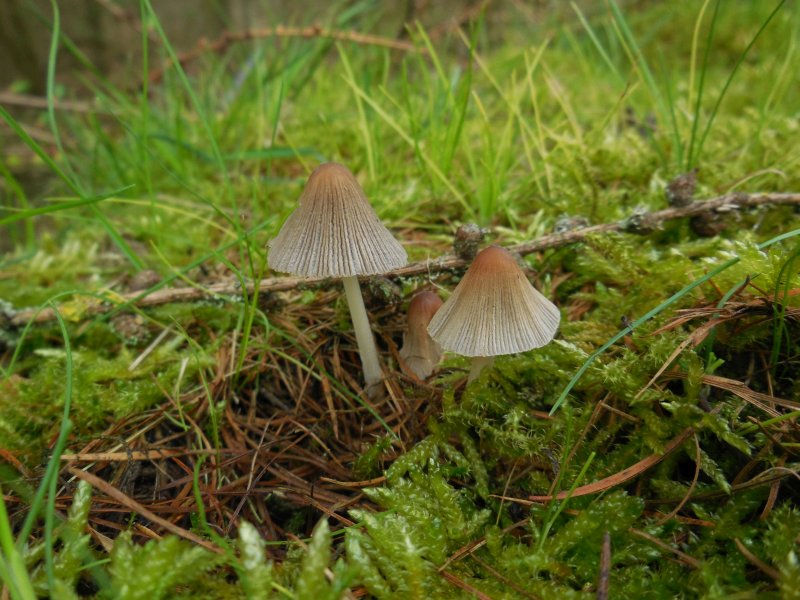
(494, 310)
(334, 231)
(420, 352)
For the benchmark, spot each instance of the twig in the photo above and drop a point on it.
(685, 558)
(314, 31)
(459, 583)
(135, 455)
(764, 478)
(757, 562)
(355, 484)
(603, 583)
(447, 262)
(773, 493)
(698, 458)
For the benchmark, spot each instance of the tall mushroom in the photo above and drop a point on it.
(419, 351)
(334, 232)
(494, 310)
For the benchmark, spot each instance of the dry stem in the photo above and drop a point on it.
(447, 262)
(314, 31)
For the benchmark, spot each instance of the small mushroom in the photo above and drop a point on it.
(419, 351)
(494, 310)
(334, 232)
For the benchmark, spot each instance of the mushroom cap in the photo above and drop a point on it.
(494, 310)
(334, 231)
(420, 352)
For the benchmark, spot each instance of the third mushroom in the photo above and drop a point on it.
(421, 353)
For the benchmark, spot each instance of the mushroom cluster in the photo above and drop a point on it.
(335, 233)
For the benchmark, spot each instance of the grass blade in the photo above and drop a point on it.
(12, 565)
(739, 62)
(212, 140)
(38, 150)
(639, 61)
(67, 175)
(597, 44)
(779, 307)
(692, 62)
(60, 206)
(55, 460)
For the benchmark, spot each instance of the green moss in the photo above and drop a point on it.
(103, 389)
(512, 138)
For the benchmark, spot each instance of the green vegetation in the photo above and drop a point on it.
(246, 405)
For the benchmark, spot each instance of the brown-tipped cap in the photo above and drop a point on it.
(422, 307)
(334, 231)
(494, 310)
(420, 352)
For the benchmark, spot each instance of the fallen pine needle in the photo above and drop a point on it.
(112, 492)
(625, 475)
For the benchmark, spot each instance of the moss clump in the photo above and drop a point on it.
(103, 389)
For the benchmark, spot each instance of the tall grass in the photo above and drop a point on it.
(684, 120)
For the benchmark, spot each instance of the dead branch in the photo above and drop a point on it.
(447, 262)
(229, 38)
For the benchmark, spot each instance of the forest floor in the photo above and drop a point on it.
(177, 421)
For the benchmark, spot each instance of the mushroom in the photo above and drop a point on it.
(494, 310)
(334, 232)
(419, 351)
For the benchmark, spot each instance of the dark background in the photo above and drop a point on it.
(109, 31)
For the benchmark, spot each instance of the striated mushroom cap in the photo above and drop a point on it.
(334, 231)
(419, 351)
(494, 310)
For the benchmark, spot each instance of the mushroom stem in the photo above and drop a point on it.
(366, 343)
(478, 363)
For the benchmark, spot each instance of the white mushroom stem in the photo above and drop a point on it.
(478, 364)
(366, 343)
